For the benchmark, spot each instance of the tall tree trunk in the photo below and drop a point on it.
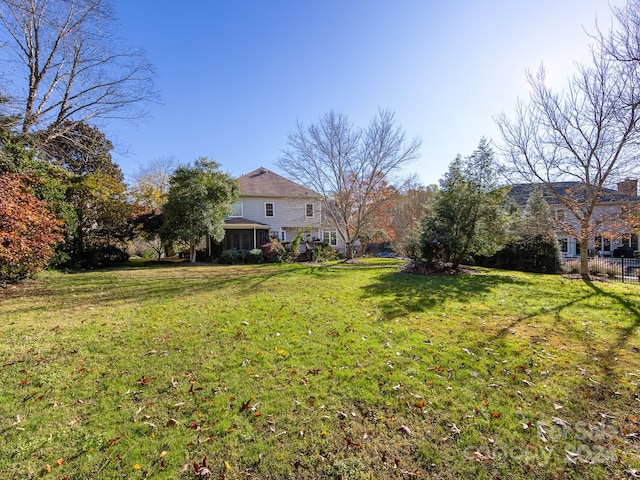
(584, 254)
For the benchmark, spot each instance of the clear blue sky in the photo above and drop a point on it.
(234, 77)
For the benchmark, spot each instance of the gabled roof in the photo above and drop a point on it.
(521, 192)
(263, 183)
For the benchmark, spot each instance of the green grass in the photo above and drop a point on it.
(344, 372)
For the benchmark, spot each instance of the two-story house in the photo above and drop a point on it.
(613, 230)
(271, 206)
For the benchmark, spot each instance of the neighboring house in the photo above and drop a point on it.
(612, 230)
(271, 206)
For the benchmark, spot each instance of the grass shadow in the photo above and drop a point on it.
(399, 293)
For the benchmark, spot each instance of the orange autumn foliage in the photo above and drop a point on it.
(28, 230)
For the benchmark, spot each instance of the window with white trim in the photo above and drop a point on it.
(268, 209)
(309, 209)
(330, 237)
(236, 209)
(603, 243)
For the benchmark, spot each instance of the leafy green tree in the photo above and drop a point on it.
(96, 193)
(82, 149)
(467, 217)
(200, 197)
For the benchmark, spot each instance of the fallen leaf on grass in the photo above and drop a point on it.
(559, 421)
(145, 380)
(194, 425)
(201, 470)
(404, 429)
(571, 456)
(172, 422)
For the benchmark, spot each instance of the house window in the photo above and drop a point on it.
(564, 245)
(309, 209)
(283, 236)
(559, 215)
(236, 209)
(330, 237)
(268, 209)
(603, 244)
(630, 239)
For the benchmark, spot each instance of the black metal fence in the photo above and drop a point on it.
(626, 270)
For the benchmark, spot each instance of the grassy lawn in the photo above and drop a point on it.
(339, 372)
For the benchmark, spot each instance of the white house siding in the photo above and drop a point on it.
(289, 214)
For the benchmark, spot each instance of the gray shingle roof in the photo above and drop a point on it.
(520, 193)
(244, 221)
(264, 183)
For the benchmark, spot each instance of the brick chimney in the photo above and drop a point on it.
(629, 187)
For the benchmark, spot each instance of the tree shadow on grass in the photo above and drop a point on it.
(624, 333)
(163, 282)
(399, 294)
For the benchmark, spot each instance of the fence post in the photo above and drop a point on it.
(622, 263)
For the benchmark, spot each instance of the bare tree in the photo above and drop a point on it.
(410, 203)
(73, 66)
(150, 187)
(587, 133)
(348, 167)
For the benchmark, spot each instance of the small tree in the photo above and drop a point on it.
(350, 167)
(200, 197)
(467, 217)
(28, 230)
(147, 227)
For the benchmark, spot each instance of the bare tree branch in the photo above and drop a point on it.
(75, 69)
(348, 167)
(587, 133)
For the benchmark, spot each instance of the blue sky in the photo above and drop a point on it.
(234, 77)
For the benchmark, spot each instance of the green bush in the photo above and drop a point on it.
(235, 257)
(230, 257)
(255, 256)
(324, 252)
(149, 254)
(535, 253)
